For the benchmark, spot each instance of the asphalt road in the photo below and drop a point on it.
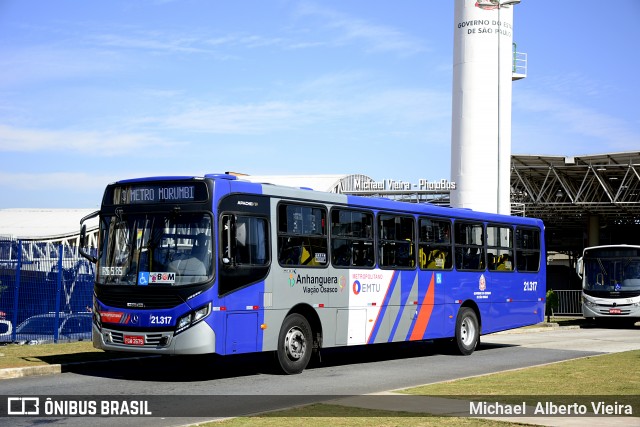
(343, 372)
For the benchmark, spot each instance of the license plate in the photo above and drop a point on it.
(134, 339)
(615, 311)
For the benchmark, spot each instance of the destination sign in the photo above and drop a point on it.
(158, 193)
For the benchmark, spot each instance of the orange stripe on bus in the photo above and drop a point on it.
(424, 313)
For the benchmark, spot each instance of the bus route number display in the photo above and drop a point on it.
(145, 194)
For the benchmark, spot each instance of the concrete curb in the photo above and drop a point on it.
(549, 328)
(29, 371)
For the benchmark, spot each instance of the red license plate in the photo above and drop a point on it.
(615, 311)
(134, 339)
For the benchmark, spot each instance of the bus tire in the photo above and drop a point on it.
(295, 344)
(467, 331)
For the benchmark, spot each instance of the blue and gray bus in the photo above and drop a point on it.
(217, 264)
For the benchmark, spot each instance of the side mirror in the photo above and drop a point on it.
(579, 267)
(83, 237)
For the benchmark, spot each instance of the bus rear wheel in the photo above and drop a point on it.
(295, 344)
(467, 331)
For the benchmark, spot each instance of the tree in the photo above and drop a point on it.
(552, 304)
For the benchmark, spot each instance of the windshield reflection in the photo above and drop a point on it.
(155, 249)
(612, 274)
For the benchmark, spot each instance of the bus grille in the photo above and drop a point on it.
(150, 339)
(133, 298)
(605, 310)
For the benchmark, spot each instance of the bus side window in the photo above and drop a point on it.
(527, 249)
(434, 241)
(352, 238)
(397, 240)
(500, 248)
(469, 244)
(302, 235)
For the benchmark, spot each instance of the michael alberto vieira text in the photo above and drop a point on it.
(550, 408)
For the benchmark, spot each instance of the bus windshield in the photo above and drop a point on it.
(612, 274)
(165, 249)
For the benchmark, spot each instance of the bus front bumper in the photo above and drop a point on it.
(595, 310)
(199, 339)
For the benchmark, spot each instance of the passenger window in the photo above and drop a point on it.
(352, 242)
(500, 248)
(469, 243)
(396, 241)
(434, 251)
(302, 236)
(527, 249)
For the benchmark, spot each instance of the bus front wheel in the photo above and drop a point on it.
(467, 331)
(294, 344)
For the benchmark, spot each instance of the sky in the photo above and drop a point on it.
(94, 92)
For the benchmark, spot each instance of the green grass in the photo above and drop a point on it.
(601, 375)
(14, 355)
(322, 415)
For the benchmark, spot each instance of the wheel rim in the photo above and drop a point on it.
(467, 332)
(295, 344)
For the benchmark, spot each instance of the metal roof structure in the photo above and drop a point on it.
(40, 233)
(43, 224)
(569, 192)
(556, 188)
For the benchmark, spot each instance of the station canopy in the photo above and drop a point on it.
(566, 190)
(581, 199)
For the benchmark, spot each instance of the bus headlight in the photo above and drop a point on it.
(201, 313)
(183, 322)
(192, 318)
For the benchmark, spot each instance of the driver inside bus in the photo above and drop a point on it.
(192, 268)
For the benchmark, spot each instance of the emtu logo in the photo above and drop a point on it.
(356, 287)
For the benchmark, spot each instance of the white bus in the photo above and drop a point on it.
(611, 282)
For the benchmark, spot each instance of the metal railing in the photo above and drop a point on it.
(519, 64)
(569, 303)
(44, 299)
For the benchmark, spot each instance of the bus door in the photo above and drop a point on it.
(243, 260)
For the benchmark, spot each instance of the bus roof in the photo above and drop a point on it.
(377, 203)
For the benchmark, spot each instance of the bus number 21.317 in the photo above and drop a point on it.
(530, 286)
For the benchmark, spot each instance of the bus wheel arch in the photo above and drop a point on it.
(467, 329)
(300, 335)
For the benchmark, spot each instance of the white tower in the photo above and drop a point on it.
(483, 67)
